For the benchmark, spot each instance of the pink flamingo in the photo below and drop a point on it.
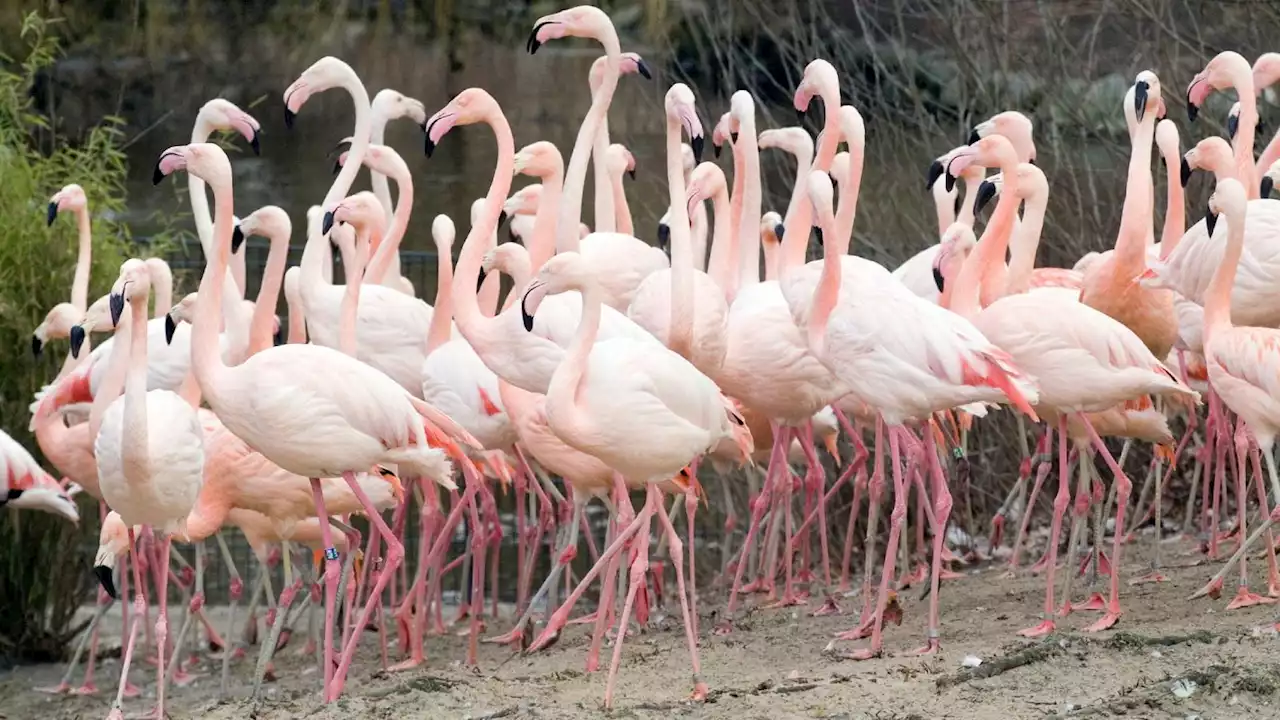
(390, 105)
(678, 411)
(683, 306)
(1237, 357)
(145, 430)
(257, 401)
(1084, 361)
(27, 486)
(619, 160)
(616, 255)
(607, 209)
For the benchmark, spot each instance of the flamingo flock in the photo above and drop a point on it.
(613, 369)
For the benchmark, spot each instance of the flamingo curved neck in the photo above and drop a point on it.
(348, 313)
(1024, 244)
(389, 249)
(134, 455)
(566, 382)
(381, 188)
(606, 219)
(268, 296)
(84, 260)
(543, 243)
(466, 305)
(680, 329)
(576, 175)
(1137, 214)
(1175, 212)
(206, 360)
(748, 238)
(359, 140)
(621, 208)
(1217, 305)
(976, 273)
(724, 243)
(442, 314)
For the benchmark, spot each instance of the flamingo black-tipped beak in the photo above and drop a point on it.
(817, 234)
(237, 239)
(53, 213)
(503, 218)
(779, 230)
(337, 167)
(255, 144)
(938, 279)
(643, 68)
(480, 279)
(1193, 111)
(1210, 222)
(1233, 125)
(327, 224)
(1185, 172)
(116, 303)
(715, 150)
(289, 115)
(37, 345)
(974, 136)
(800, 114)
(170, 327)
(632, 172)
(664, 235)
(935, 171)
(950, 181)
(156, 175)
(986, 191)
(733, 137)
(533, 43)
(697, 143)
(959, 204)
(106, 580)
(1267, 184)
(430, 147)
(278, 338)
(1140, 90)
(77, 340)
(525, 317)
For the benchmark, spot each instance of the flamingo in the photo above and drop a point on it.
(682, 306)
(390, 105)
(607, 211)
(615, 255)
(27, 486)
(150, 451)
(1237, 357)
(603, 392)
(1110, 285)
(219, 114)
(1084, 361)
(619, 160)
(338, 432)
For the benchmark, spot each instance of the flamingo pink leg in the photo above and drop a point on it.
(686, 607)
(875, 494)
(1042, 473)
(941, 513)
(1123, 488)
(896, 520)
(1273, 573)
(139, 606)
(1060, 504)
(1243, 597)
(757, 514)
(639, 567)
(331, 570)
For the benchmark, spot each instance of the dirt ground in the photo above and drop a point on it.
(776, 665)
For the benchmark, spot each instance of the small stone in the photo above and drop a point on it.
(1183, 688)
(971, 661)
(793, 675)
(1157, 654)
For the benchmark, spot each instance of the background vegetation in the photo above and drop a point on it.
(922, 72)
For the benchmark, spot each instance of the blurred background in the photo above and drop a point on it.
(91, 93)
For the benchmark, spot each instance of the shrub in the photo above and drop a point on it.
(44, 574)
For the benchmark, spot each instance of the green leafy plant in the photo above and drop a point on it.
(44, 574)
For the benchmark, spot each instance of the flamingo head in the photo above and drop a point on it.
(224, 115)
(1269, 179)
(361, 210)
(183, 312)
(990, 151)
(1012, 124)
(680, 109)
(742, 113)
(564, 272)
(1226, 69)
(956, 244)
(268, 221)
(541, 160)
(204, 160)
(629, 63)
(583, 21)
(392, 105)
(71, 197)
(132, 287)
(1167, 139)
(113, 541)
(470, 106)
(505, 258)
(524, 201)
(720, 134)
(706, 181)
(840, 169)
(1211, 153)
(57, 324)
(97, 318)
(1146, 95)
(1266, 71)
(325, 73)
(771, 228)
(821, 80)
(1228, 199)
(443, 232)
(619, 160)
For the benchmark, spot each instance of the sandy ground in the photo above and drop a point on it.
(774, 666)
